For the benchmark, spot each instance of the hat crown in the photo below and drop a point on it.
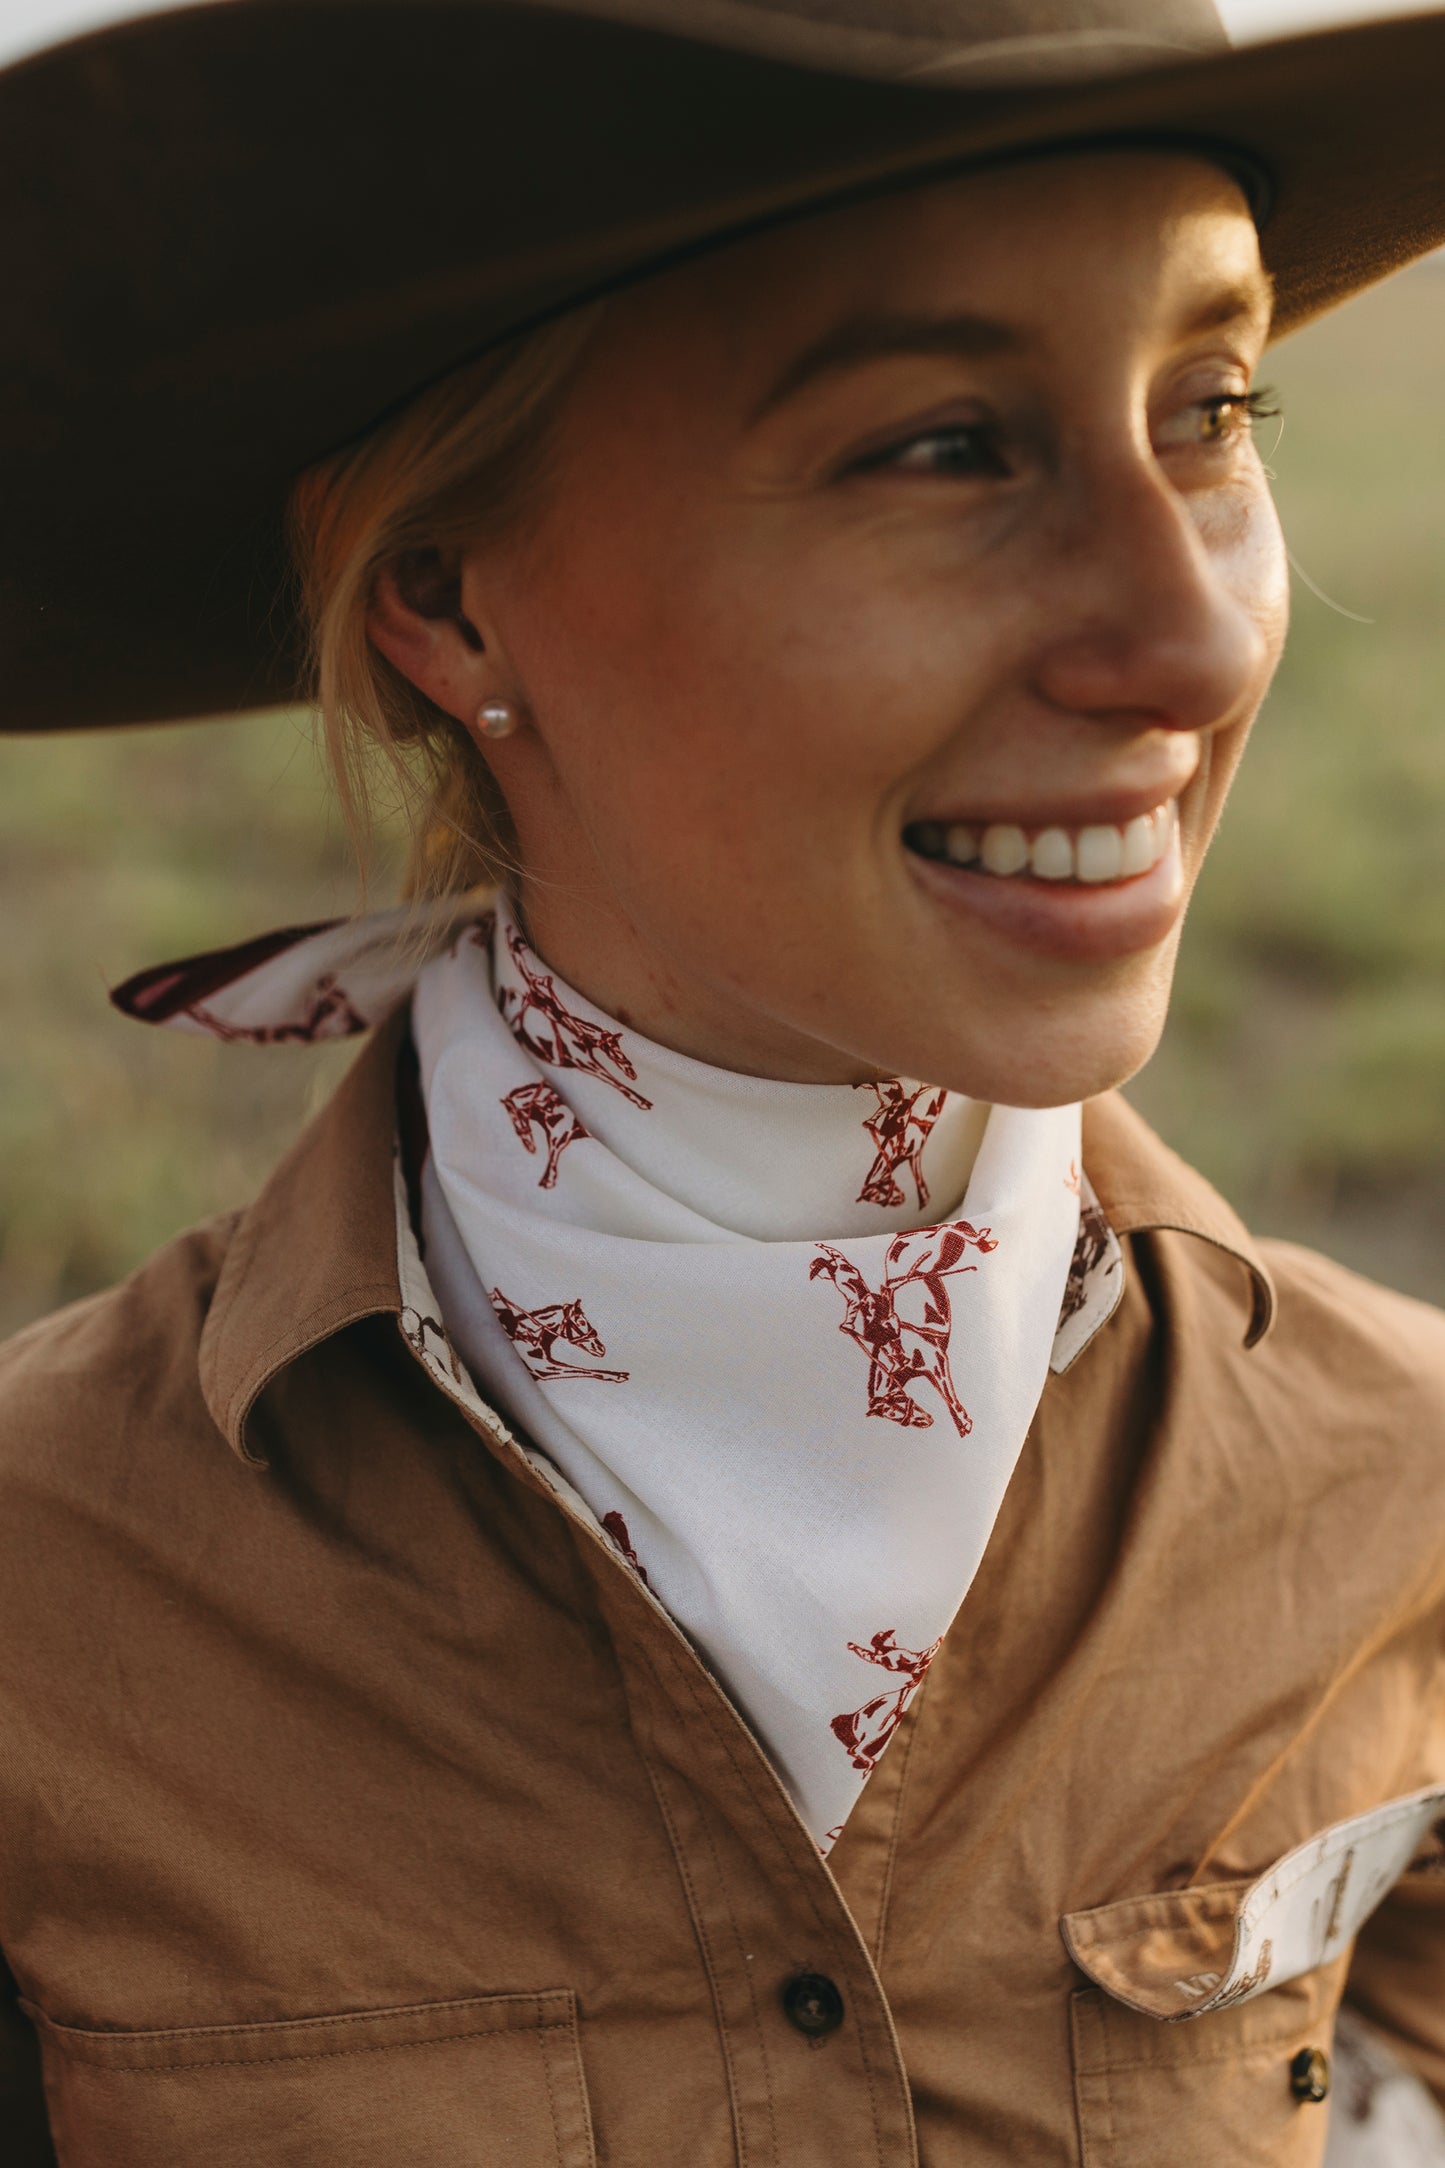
(1001, 42)
(191, 320)
(982, 21)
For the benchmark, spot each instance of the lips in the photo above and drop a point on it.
(1090, 854)
(1091, 916)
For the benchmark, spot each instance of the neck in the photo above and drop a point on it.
(767, 1157)
(607, 959)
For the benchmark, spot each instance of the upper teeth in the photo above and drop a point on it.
(1091, 854)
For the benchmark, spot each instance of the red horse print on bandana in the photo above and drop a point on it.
(900, 1128)
(544, 1105)
(906, 1350)
(537, 1334)
(866, 1731)
(540, 1021)
(616, 1528)
(1090, 1250)
(328, 1015)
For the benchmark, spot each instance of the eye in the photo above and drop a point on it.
(1225, 417)
(957, 451)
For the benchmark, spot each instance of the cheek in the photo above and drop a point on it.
(1247, 546)
(1266, 567)
(735, 682)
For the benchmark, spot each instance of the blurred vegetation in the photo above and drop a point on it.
(117, 850)
(1304, 1066)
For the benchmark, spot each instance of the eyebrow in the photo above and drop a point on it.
(868, 338)
(1248, 299)
(861, 339)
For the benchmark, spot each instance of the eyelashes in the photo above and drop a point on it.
(970, 451)
(951, 450)
(1239, 407)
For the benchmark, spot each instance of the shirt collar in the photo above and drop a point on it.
(1143, 1186)
(316, 1251)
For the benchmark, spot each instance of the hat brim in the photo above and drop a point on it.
(234, 237)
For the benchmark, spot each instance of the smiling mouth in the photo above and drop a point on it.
(1095, 856)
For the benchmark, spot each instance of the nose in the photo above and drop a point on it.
(1156, 618)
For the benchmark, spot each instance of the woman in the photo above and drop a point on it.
(733, 1561)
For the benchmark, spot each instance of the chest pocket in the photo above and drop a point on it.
(464, 2084)
(1193, 2045)
(1216, 2094)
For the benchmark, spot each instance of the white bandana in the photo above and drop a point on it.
(778, 1338)
(780, 1342)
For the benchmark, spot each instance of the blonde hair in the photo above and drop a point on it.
(454, 467)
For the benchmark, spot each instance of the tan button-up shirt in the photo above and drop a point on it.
(358, 1808)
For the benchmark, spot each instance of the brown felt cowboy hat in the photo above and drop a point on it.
(233, 236)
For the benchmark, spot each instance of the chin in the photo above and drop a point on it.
(1033, 1067)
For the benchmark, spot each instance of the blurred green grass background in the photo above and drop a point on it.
(1304, 1066)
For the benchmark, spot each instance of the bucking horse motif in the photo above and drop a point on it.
(328, 1014)
(544, 1105)
(899, 1127)
(866, 1731)
(537, 1334)
(1090, 1250)
(906, 1351)
(540, 1020)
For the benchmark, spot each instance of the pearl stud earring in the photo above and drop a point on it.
(495, 719)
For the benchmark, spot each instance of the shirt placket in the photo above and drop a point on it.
(810, 2054)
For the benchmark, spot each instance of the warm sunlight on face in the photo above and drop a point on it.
(905, 586)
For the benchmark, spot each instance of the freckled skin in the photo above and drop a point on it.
(751, 651)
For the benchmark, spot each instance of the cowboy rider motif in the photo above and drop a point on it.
(904, 1352)
(537, 1334)
(540, 1021)
(899, 1127)
(544, 1105)
(329, 1015)
(866, 1732)
(1090, 1250)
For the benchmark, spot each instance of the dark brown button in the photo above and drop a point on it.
(813, 2004)
(1309, 2075)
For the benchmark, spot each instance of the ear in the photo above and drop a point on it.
(415, 618)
